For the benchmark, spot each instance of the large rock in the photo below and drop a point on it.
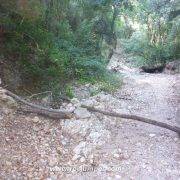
(82, 113)
(80, 127)
(99, 137)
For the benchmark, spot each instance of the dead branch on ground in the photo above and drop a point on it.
(136, 118)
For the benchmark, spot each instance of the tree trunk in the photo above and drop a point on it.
(136, 118)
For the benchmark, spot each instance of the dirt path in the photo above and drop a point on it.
(95, 146)
(143, 151)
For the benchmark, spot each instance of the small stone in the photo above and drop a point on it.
(138, 144)
(82, 160)
(152, 135)
(52, 161)
(36, 129)
(79, 148)
(106, 155)
(116, 155)
(117, 177)
(59, 150)
(175, 139)
(87, 85)
(8, 163)
(6, 111)
(63, 143)
(74, 101)
(64, 105)
(120, 150)
(125, 155)
(91, 157)
(7, 139)
(144, 166)
(30, 175)
(36, 119)
(89, 102)
(76, 157)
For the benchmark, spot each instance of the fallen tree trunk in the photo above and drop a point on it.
(136, 118)
(52, 115)
(59, 114)
(34, 108)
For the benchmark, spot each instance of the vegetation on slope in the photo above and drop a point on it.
(56, 41)
(48, 43)
(150, 30)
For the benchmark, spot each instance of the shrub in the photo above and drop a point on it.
(50, 48)
(148, 53)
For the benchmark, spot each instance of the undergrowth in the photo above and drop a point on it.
(53, 58)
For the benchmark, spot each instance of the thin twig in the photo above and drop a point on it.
(46, 92)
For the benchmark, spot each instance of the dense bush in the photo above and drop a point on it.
(49, 43)
(148, 53)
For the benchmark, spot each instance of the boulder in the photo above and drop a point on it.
(82, 113)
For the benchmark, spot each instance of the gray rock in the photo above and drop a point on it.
(99, 136)
(36, 119)
(79, 148)
(76, 157)
(152, 135)
(82, 113)
(116, 155)
(52, 161)
(82, 160)
(74, 101)
(79, 127)
(90, 102)
(83, 148)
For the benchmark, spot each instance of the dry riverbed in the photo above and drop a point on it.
(92, 145)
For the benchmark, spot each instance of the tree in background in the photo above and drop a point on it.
(150, 30)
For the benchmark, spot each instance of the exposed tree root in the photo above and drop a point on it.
(34, 108)
(136, 118)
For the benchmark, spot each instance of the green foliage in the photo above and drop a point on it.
(148, 34)
(111, 83)
(69, 92)
(146, 52)
(90, 68)
(174, 37)
(58, 41)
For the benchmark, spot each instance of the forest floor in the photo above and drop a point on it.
(92, 145)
